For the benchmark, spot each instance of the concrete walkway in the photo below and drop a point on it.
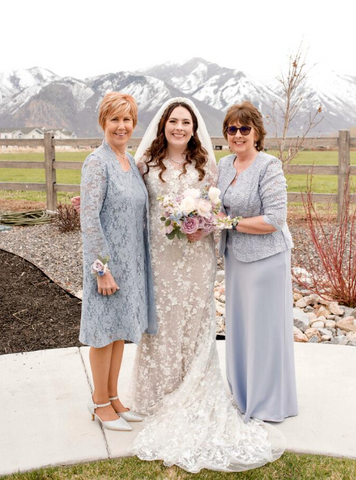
(44, 420)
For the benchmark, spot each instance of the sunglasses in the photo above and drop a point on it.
(243, 130)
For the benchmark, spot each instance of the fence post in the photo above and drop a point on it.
(344, 171)
(50, 156)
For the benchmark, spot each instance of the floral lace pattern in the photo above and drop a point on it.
(259, 190)
(114, 208)
(193, 422)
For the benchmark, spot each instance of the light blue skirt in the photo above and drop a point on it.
(259, 336)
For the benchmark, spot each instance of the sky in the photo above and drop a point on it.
(87, 38)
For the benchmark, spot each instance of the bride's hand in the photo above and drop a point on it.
(195, 237)
(220, 214)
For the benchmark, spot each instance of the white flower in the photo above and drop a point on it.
(214, 195)
(192, 192)
(204, 207)
(187, 205)
(98, 266)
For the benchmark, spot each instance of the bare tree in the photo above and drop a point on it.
(286, 111)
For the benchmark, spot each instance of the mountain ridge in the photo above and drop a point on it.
(39, 96)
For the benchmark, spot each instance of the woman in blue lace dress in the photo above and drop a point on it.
(118, 297)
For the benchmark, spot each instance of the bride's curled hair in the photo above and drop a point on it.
(195, 153)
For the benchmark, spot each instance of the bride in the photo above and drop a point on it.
(192, 422)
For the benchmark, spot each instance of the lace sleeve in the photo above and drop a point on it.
(93, 191)
(273, 192)
(142, 165)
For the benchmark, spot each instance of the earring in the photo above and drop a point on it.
(255, 144)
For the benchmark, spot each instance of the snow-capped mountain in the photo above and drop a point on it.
(217, 86)
(17, 81)
(40, 97)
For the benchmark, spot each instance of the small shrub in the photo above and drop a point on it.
(67, 219)
(332, 263)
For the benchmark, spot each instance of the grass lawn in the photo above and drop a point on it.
(296, 183)
(289, 467)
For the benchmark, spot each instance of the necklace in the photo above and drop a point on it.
(178, 162)
(121, 156)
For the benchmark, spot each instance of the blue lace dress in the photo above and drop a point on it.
(114, 223)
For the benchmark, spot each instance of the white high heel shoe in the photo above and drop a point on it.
(119, 424)
(129, 416)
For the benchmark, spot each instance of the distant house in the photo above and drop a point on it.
(10, 133)
(34, 132)
(62, 133)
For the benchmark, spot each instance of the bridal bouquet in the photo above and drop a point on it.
(191, 211)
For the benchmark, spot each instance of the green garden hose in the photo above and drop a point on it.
(32, 217)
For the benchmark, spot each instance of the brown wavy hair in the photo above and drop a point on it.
(247, 114)
(157, 152)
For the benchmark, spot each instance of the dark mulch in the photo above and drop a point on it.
(35, 313)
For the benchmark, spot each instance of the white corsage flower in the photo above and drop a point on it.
(188, 205)
(214, 195)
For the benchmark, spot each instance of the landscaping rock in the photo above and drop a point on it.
(310, 332)
(330, 324)
(336, 309)
(339, 340)
(311, 316)
(349, 311)
(314, 339)
(322, 312)
(220, 275)
(325, 333)
(300, 337)
(318, 324)
(297, 296)
(300, 319)
(347, 324)
(312, 299)
(301, 303)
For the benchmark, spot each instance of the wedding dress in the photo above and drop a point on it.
(192, 421)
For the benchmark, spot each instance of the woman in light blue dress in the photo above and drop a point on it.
(259, 307)
(118, 296)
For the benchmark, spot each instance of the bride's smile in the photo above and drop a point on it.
(179, 128)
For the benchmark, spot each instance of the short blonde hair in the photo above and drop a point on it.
(116, 103)
(246, 114)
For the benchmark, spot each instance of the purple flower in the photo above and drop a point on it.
(190, 225)
(202, 221)
(209, 225)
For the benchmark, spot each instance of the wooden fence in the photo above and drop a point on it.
(343, 170)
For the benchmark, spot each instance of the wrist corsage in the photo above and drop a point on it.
(100, 267)
(235, 222)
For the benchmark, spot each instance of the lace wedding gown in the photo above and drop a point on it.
(192, 422)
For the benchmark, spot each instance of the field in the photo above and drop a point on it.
(296, 183)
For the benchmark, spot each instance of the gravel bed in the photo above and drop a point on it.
(59, 255)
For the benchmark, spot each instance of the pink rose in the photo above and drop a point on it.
(190, 225)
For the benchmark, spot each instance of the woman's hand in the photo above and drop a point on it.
(195, 237)
(220, 214)
(76, 203)
(107, 284)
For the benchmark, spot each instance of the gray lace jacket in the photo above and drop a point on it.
(259, 190)
(114, 223)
